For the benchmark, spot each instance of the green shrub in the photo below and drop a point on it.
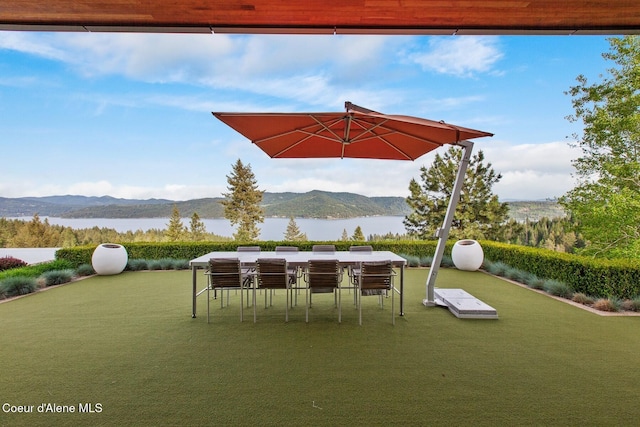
(514, 274)
(447, 261)
(529, 279)
(425, 261)
(9, 262)
(154, 264)
(496, 268)
(581, 298)
(137, 264)
(412, 260)
(37, 269)
(631, 304)
(85, 270)
(166, 263)
(536, 283)
(557, 288)
(14, 286)
(57, 277)
(181, 264)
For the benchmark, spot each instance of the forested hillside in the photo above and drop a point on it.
(313, 204)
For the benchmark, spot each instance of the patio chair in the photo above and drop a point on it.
(323, 248)
(248, 272)
(224, 274)
(271, 273)
(294, 272)
(323, 276)
(375, 278)
(354, 270)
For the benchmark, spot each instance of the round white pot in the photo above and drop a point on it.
(467, 255)
(109, 258)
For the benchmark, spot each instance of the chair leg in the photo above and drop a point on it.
(393, 317)
(307, 301)
(286, 307)
(254, 303)
(339, 305)
(241, 306)
(360, 307)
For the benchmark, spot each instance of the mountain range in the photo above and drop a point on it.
(313, 204)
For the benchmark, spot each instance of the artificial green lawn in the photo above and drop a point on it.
(128, 343)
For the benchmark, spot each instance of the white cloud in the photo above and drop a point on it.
(460, 56)
(532, 171)
(314, 70)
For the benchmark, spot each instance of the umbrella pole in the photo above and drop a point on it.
(443, 233)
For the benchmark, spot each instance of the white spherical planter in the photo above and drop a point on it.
(109, 258)
(467, 255)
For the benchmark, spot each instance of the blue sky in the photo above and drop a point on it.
(129, 115)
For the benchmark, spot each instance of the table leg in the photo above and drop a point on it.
(402, 291)
(193, 281)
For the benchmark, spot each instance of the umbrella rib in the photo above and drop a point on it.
(395, 131)
(369, 130)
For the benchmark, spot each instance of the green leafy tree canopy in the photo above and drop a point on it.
(606, 200)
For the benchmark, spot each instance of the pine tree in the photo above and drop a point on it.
(358, 235)
(35, 234)
(345, 235)
(293, 233)
(479, 214)
(242, 203)
(176, 230)
(197, 229)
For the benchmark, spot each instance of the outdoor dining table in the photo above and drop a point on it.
(298, 259)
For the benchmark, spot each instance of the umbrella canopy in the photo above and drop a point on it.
(356, 133)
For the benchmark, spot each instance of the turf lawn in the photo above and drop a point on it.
(128, 346)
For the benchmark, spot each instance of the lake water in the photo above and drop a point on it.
(271, 229)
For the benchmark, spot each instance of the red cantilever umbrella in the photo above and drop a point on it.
(356, 133)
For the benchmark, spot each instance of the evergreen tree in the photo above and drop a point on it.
(345, 235)
(293, 233)
(35, 234)
(242, 203)
(176, 230)
(197, 229)
(358, 235)
(479, 214)
(606, 201)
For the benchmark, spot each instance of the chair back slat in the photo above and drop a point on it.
(272, 273)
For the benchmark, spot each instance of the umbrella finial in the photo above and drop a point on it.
(353, 107)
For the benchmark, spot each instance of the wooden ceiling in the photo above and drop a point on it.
(326, 16)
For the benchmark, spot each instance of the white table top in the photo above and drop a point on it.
(301, 258)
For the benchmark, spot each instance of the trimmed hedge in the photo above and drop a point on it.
(597, 277)
(189, 250)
